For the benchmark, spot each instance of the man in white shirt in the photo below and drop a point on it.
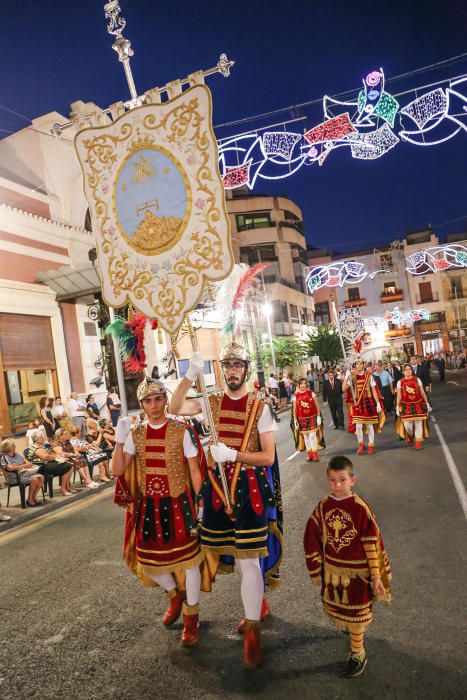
(77, 412)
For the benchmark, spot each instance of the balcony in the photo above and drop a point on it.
(388, 297)
(397, 332)
(296, 225)
(427, 299)
(461, 294)
(352, 303)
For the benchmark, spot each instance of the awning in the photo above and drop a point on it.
(69, 282)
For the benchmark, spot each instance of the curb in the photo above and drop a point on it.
(52, 504)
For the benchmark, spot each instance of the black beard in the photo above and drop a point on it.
(235, 384)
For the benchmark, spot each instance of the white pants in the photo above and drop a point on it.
(371, 433)
(409, 428)
(251, 588)
(193, 584)
(311, 441)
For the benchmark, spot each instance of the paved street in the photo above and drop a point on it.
(75, 624)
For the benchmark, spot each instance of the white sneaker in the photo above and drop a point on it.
(5, 518)
(93, 485)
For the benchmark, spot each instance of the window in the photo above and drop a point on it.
(183, 367)
(90, 328)
(354, 293)
(322, 315)
(456, 287)
(285, 311)
(256, 220)
(294, 312)
(289, 216)
(389, 288)
(425, 292)
(261, 253)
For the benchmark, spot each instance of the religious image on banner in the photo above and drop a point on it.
(157, 205)
(351, 323)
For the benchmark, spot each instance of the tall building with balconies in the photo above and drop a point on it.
(270, 229)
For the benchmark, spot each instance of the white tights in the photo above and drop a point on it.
(251, 588)
(409, 428)
(311, 441)
(193, 584)
(371, 433)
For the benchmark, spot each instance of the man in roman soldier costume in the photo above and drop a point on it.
(249, 534)
(159, 467)
(307, 420)
(366, 408)
(412, 409)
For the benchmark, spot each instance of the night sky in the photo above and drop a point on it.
(56, 52)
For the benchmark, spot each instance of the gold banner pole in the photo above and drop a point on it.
(210, 419)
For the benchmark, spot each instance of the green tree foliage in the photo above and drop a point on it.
(289, 352)
(325, 343)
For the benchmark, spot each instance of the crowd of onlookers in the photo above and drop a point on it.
(64, 440)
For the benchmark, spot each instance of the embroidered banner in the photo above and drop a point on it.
(157, 205)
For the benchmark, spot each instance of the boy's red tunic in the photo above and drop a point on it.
(335, 557)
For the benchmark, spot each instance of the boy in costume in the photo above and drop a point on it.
(251, 535)
(159, 476)
(412, 409)
(345, 556)
(307, 419)
(366, 407)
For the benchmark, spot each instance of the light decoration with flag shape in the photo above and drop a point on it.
(437, 259)
(369, 126)
(335, 275)
(399, 317)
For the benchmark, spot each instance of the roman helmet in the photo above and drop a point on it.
(148, 387)
(234, 352)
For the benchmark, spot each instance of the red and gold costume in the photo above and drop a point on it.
(413, 406)
(157, 494)
(363, 407)
(249, 535)
(344, 551)
(306, 411)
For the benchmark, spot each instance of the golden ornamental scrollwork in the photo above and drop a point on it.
(170, 279)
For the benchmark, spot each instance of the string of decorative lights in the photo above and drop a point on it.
(433, 259)
(366, 125)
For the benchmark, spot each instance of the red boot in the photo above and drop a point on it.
(174, 607)
(361, 448)
(252, 645)
(371, 449)
(265, 612)
(190, 634)
(418, 445)
(314, 457)
(309, 456)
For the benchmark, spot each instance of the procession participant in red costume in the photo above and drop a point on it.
(345, 556)
(366, 407)
(159, 475)
(412, 409)
(307, 418)
(250, 536)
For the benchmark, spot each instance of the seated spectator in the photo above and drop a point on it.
(92, 456)
(22, 470)
(65, 449)
(49, 462)
(95, 439)
(46, 416)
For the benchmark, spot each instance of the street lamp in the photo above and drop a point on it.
(267, 310)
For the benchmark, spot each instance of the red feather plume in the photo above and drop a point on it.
(245, 284)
